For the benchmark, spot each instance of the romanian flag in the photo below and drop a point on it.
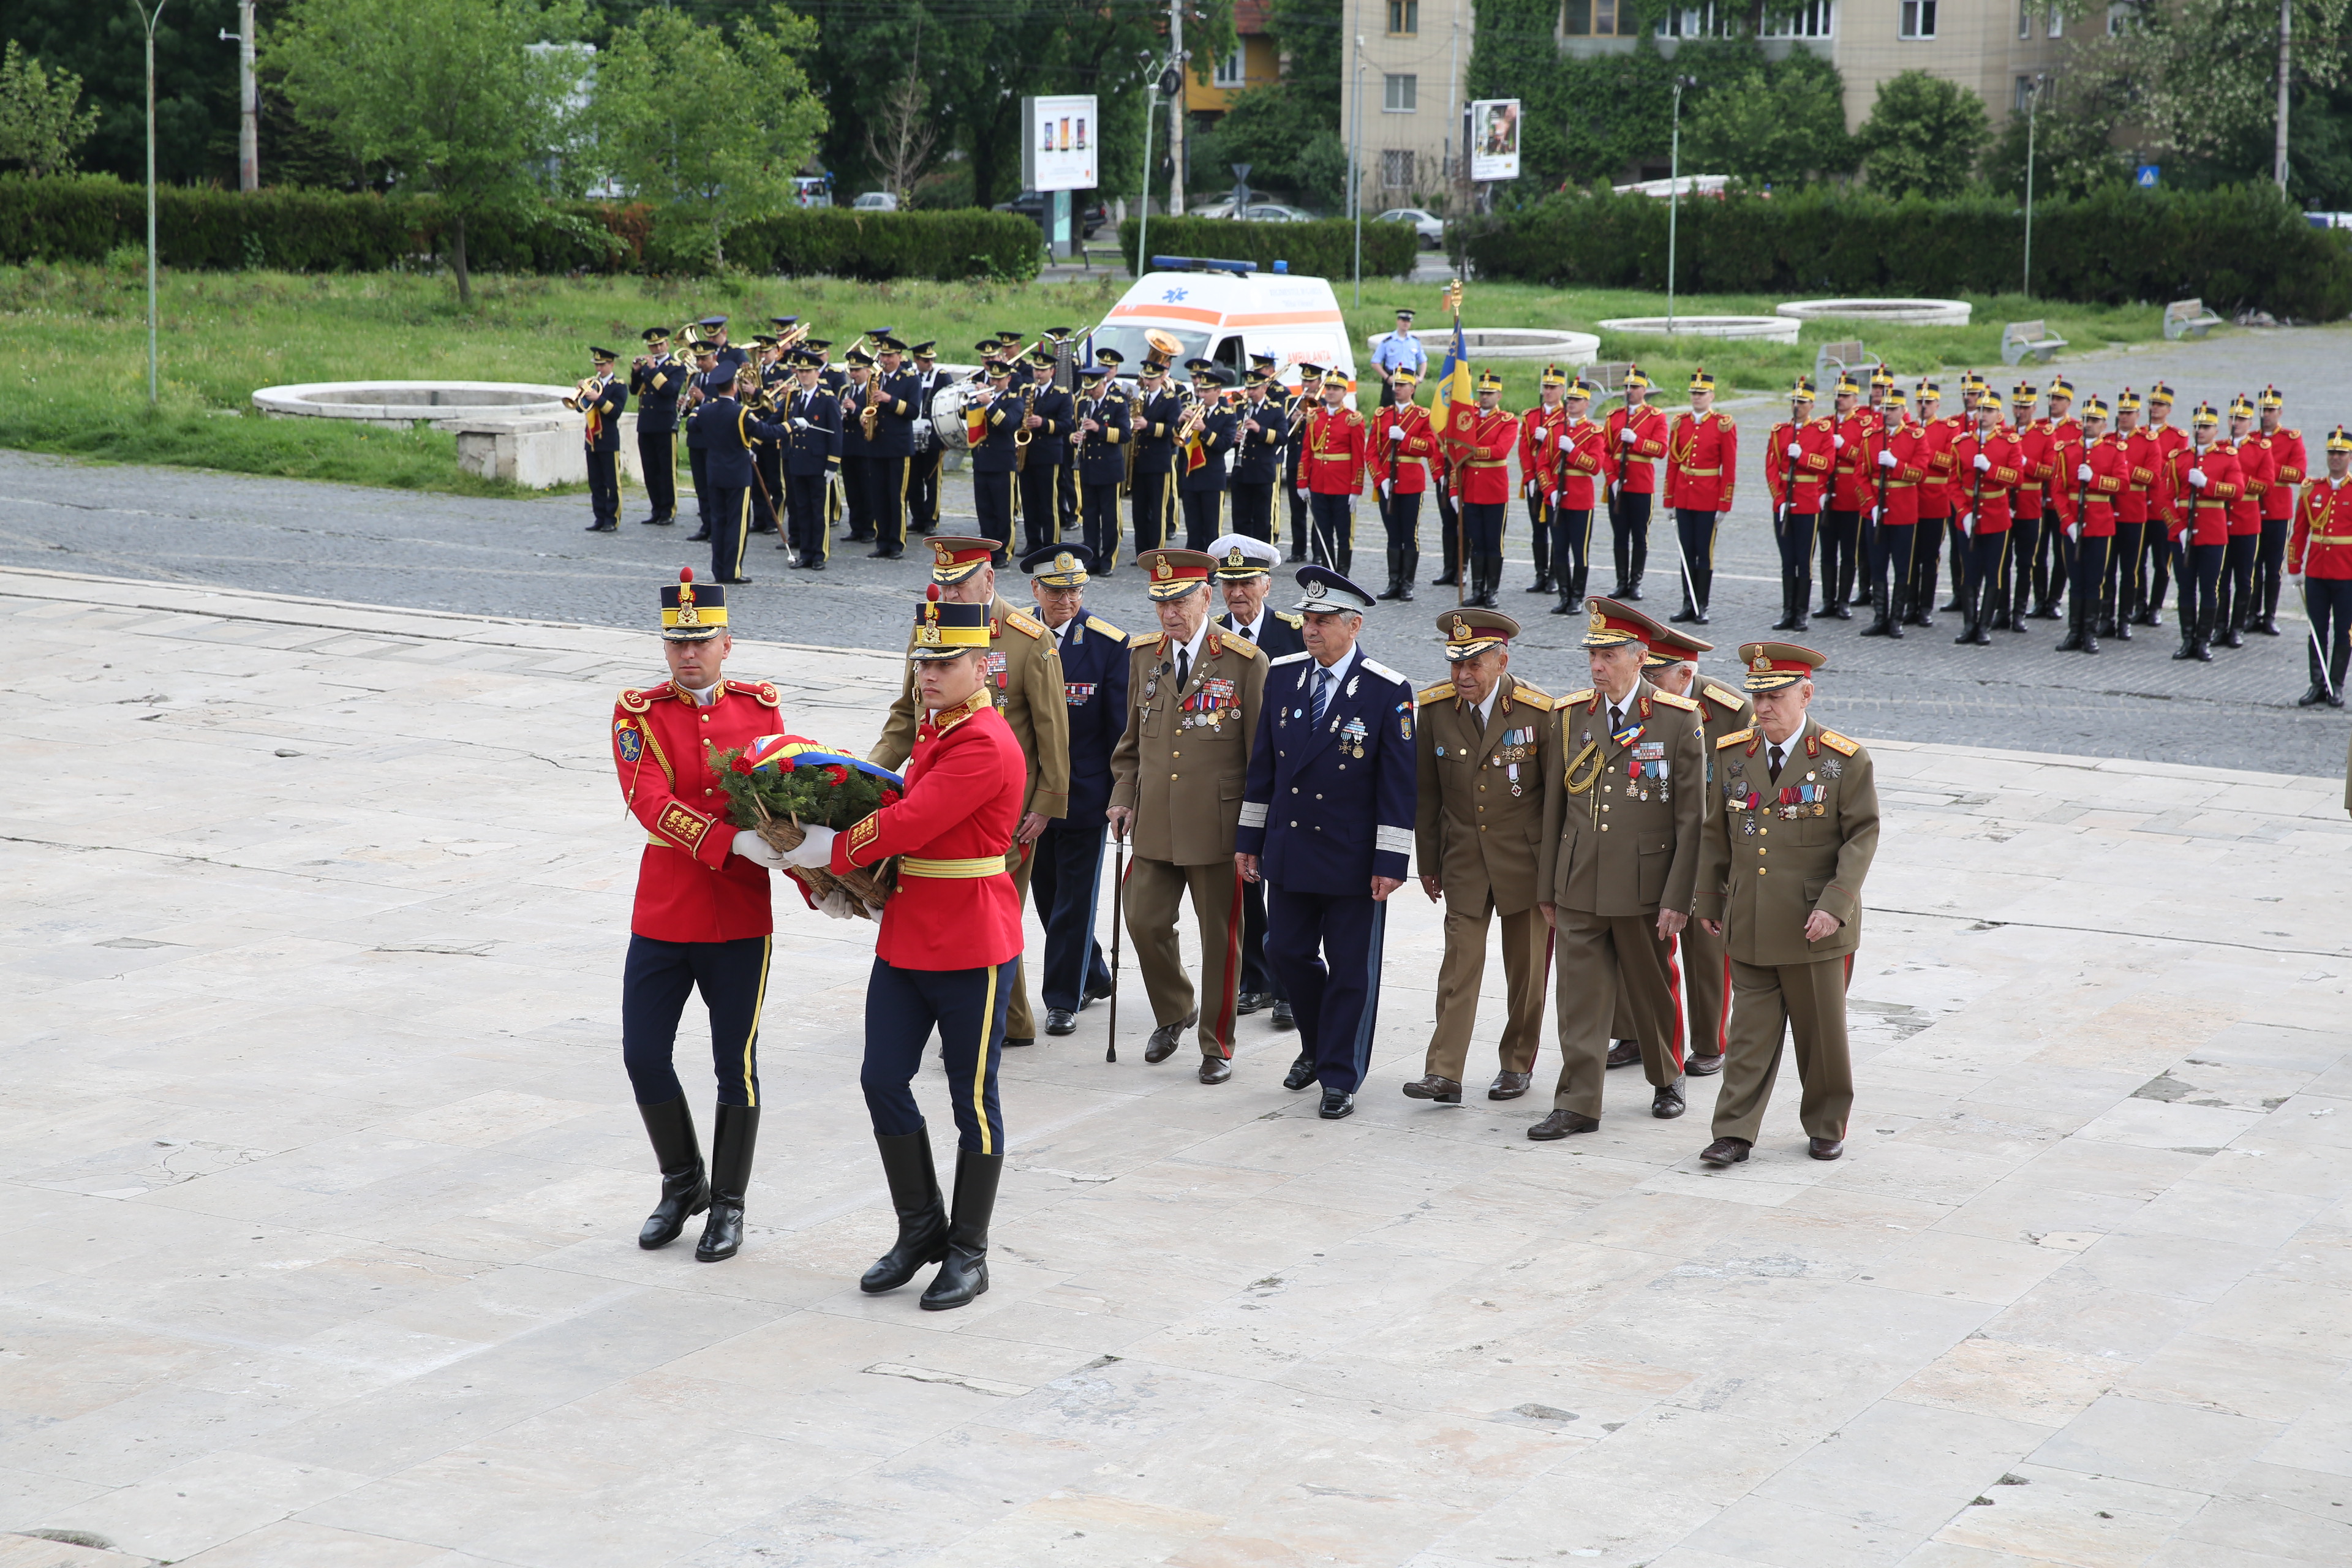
(1455, 411)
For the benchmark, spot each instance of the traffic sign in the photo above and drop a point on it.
(2145, 177)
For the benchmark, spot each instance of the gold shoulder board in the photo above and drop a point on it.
(1020, 622)
(761, 691)
(1433, 694)
(1729, 699)
(635, 701)
(1573, 698)
(1736, 738)
(1291, 618)
(1148, 640)
(1097, 624)
(1241, 645)
(1837, 743)
(1671, 700)
(1535, 697)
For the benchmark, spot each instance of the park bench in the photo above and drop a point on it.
(1609, 375)
(2021, 339)
(2188, 318)
(1836, 358)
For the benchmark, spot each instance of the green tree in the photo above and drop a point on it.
(449, 93)
(709, 129)
(195, 80)
(1773, 124)
(41, 122)
(1923, 136)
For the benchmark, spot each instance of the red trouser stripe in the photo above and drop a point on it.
(1226, 1002)
(1677, 1045)
(1722, 1014)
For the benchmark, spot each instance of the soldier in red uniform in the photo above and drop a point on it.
(2038, 462)
(943, 958)
(2254, 468)
(2203, 473)
(2167, 508)
(1702, 461)
(1539, 428)
(1338, 449)
(1937, 431)
(1798, 456)
(2135, 509)
(1901, 464)
(1482, 459)
(1636, 438)
(2320, 552)
(701, 918)
(2289, 468)
(1989, 464)
(1853, 482)
(2097, 466)
(2053, 560)
(1400, 444)
(1581, 460)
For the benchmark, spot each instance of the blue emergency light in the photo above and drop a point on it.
(1204, 264)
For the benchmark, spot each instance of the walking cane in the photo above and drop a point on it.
(1118, 925)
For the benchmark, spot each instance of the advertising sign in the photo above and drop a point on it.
(1059, 139)
(1494, 139)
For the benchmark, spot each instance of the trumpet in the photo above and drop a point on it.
(589, 389)
(1196, 414)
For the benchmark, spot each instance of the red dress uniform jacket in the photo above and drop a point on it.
(964, 784)
(690, 886)
(2110, 460)
(1540, 429)
(2321, 544)
(1801, 484)
(1702, 460)
(2204, 515)
(1403, 461)
(2288, 462)
(2141, 460)
(2166, 503)
(1935, 489)
(1988, 502)
(1911, 445)
(1337, 452)
(2254, 477)
(1485, 457)
(1636, 460)
(1856, 463)
(2038, 464)
(1586, 462)
(2065, 453)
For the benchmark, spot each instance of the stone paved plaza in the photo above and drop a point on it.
(324, 1184)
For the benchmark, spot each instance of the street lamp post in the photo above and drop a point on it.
(149, 18)
(1356, 171)
(2032, 107)
(1675, 193)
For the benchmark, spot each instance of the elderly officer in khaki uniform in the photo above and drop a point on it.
(1785, 858)
(1024, 675)
(1487, 752)
(1620, 861)
(1176, 781)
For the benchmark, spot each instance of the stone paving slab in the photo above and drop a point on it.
(324, 1182)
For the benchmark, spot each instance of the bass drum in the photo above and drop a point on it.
(946, 422)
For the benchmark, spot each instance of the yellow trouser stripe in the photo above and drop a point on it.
(751, 1040)
(979, 1067)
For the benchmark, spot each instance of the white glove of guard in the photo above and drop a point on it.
(2197, 477)
(1839, 442)
(1396, 432)
(1568, 442)
(1886, 459)
(758, 850)
(837, 905)
(1984, 464)
(2083, 472)
(1388, 489)
(1627, 436)
(1795, 451)
(815, 852)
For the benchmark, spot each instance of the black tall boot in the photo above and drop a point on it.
(1493, 578)
(922, 1215)
(2203, 650)
(1967, 602)
(2188, 648)
(2089, 625)
(2076, 627)
(1411, 564)
(1880, 623)
(1798, 600)
(964, 1274)
(1568, 604)
(1847, 566)
(731, 1142)
(685, 1192)
(1394, 590)
(1788, 621)
(2268, 593)
(1898, 608)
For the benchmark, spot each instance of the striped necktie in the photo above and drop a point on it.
(1322, 693)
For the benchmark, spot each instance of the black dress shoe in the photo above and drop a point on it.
(1012, 1040)
(1560, 1123)
(701, 538)
(1443, 1091)
(1061, 1021)
(1215, 1069)
(1095, 993)
(1337, 1103)
(737, 582)
(1167, 1037)
(1249, 1002)
(1282, 1016)
(657, 522)
(1624, 1053)
(1725, 1151)
(1706, 1064)
(600, 528)
(1509, 1085)
(1301, 1073)
(1667, 1103)
(1825, 1148)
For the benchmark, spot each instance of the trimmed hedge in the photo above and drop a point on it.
(2236, 248)
(81, 217)
(1324, 248)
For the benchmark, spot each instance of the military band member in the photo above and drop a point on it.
(896, 404)
(923, 467)
(1539, 428)
(1257, 457)
(1192, 711)
(1781, 882)
(1046, 417)
(1245, 576)
(1635, 439)
(725, 357)
(1401, 443)
(1702, 466)
(1206, 426)
(2320, 552)
(2096, 467)
(729, 431)
(812, 462)
(1579, 482)
(657, 381)
(707, 378)
(1101, 437)
(944, 959)
(702, 918)
(1338, 450)
(758, 387)
(1024, 677)
(857, 446)
(1487, 748)
(1987, 463)
(991, 424)
(1482, 458)
(601, 398)
(2204, 475)
(1067, 881)
(1151, 489)
(1619, 864)
(1297, 408)
(1900, 468)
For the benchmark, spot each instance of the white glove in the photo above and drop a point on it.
(1795, 451)
(2197, 477)
(1839, 442)
(2075, 531)
(1388, 489)
(1396, 432)
(1568, 442)
(1984, 464)
(814, 853)
(837, 905)
(799, 423)
(1627, 436)
(1886, 459)
(2083, 472)
(758, 850)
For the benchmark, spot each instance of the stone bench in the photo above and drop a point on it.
(2188, 318)
(2021, 340)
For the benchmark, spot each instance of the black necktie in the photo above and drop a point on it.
(1616, 718)
(1183, 667)
(1776, 761)
(1249, 632)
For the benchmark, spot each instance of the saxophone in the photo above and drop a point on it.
(1022, 435)
(871, 415)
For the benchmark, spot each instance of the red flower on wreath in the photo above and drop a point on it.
(740, 765)
(836, 774)
(890, 796)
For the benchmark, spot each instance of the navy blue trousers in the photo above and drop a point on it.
(730, 530)
(1065, 880)
(1257, 966)
(966, 1007)
(654, 984)
(2328, 601)
(1327, 949)
(604, 485)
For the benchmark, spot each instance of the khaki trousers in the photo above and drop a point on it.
(1154, 890)
(1806, 1000)
(1600, 958)
(1707, 986)
(1019, 1023)
(1526, 946)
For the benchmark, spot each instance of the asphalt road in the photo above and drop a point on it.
(532, 558)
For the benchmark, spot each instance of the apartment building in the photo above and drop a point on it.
(1410, 58)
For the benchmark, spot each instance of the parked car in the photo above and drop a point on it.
(876, 202)
(1085, 216)
(1275, 212)
(1431, 227)
(812, 190)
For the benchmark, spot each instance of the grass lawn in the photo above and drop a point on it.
(73, 378)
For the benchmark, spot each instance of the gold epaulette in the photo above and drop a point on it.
(1022, 623)
(763, 691)
(1240, 644)
(1837, 743)
(633, 700)
(1534, 696)
(1723, 420)
(1671, 700)
(1573, 698)
(1149, 639)
(1730, 700)
(1295, 620)
(1097, 624)
(1736, 738)
(1433, 694)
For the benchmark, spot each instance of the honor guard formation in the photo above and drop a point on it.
(1259, 764)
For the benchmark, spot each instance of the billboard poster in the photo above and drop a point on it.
(1059, 139)
(1494, 139)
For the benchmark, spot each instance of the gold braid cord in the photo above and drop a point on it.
(1583, 786)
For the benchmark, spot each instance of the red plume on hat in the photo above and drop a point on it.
(933, 592)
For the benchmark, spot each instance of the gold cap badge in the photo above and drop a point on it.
(1162, 571)
(1600, 621)
(1762, 663)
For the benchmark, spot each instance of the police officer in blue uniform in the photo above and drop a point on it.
(811, 463)
(1048, 421)
(1066, 874)
(1327, 821)
(657, 379)
(1101, 434)
(729, 430)
(1245, 576)
(1259, 423)
(1201, 491)
(601, 397)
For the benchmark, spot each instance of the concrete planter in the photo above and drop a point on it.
(1892, 312)
(1772, 329)
(406, 402)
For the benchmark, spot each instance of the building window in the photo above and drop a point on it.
(1704, 22)
(1404, 17)
(2025, 18)
(1231, 72)
(2025, 94)
(1598, 19)
(1400, 93)
(1918, 20)
(2057, 22)
(1396, 170)
(1815, 20)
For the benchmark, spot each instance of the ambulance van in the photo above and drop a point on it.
(1227, 312)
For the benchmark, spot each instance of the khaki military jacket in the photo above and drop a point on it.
(1721, 710)
(1622, 834)
(1478, 822)
(1777, 852)
(1024, 675)
(1185, 758)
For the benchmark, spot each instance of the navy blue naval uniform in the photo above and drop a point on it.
(602, 444)
(1066, 875)
(728, 429)
(658, 387)
(1278, 633)
(1328, 806)
(811, 463)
